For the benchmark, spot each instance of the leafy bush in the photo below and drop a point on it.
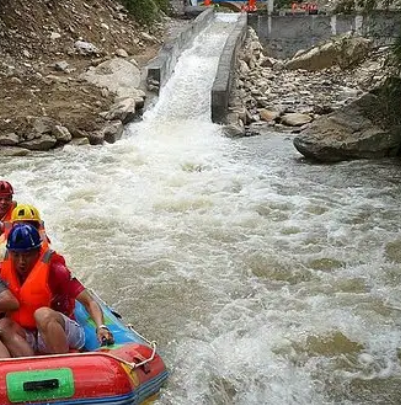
(282, 4)
(396, 54)
(147, 11)
(365, 6)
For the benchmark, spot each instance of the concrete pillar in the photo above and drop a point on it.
(358, 24)
(270, 7)
(333, 24)
(269, 25)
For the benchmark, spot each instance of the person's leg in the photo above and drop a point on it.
(4, 353)
(49, 339)
(51, 332)
(17, 341)
(75, 334)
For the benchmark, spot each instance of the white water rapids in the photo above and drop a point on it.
(264, 279)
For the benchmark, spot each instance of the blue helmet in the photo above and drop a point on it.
(22, 238)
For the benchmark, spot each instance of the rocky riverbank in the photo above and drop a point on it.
(72, 72)
(282, 95)
(48, 50)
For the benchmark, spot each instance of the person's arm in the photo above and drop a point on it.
(63, 286)
(96, 313)
(8, 302)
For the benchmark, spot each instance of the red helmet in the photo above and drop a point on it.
(6, 189)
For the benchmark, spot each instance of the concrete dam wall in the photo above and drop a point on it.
(283, 36)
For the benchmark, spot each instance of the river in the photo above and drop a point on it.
(265, 279)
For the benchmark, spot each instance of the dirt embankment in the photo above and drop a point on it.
(40, 68)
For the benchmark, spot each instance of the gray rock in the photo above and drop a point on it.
(240, 111)
(268, 116)
(16, 80)
(295, 119)
(345, 51)
(95, 138)
(79, 142)
(113, 131)
(10, 151)
(86, 48)
(117, 75)
(234, 131)
(148, 37)
(62, 134)
(61, 66)
(347, 134)
(123, 111)
(58, 79)
(122, 53)
(54, 35)
(134, 62)
(44, 143)
(10, 139)
(44, 125)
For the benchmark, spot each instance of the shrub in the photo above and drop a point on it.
(147, 11)
(396, 54)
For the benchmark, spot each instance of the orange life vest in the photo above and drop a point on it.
(42, 232)
(34, 293)
(6, 220)
(6, 230)
(43, 236)
(7, 215)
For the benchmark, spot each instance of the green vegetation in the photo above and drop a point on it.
(282, 4)
(147, 11)
(382, 106)
(395, 60)
(349, 6)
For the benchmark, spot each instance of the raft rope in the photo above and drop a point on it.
(57, 356)
(152, 344)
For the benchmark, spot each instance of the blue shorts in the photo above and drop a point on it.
(75, 337)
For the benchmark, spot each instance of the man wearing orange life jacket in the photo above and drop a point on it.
(46, 294)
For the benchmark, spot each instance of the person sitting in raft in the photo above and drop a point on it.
(6, 200)
(6, 203)
(28, 214)
(6, 207)
(46, 293)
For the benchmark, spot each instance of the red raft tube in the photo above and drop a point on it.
(128, 372)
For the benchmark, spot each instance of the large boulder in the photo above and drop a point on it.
(361, 130)
(42, 143)
(117, 75)
(123, 111)
(295, 119)
(345, 51)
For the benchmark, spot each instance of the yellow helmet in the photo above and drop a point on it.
(25, 212)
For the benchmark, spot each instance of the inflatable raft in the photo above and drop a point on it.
(127, 372)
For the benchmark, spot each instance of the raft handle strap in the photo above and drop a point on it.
(41, 385)
(152, 344)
